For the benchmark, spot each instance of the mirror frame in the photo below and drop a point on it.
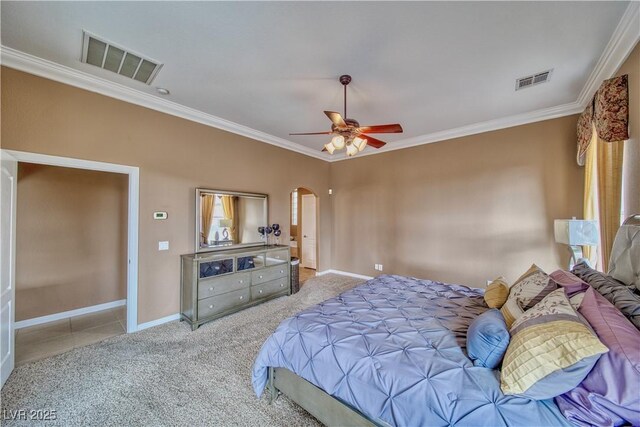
(200, 191)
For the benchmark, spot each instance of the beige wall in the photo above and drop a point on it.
(174, 156)
(461, 211)
(631, 161)
(71, 239)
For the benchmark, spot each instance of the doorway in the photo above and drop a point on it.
(10, 160)
(304, 227)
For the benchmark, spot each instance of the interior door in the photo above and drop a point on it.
(308, 231)
(8, 183)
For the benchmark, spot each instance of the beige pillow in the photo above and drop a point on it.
(550, 351)
(532, 287)
(511, 311)
(496, 293)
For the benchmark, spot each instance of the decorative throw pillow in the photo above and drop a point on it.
(511, 311)
(551, 350)
(617, 293)
(531, 287)
(487, 339)
(496, 293)
(610, 394)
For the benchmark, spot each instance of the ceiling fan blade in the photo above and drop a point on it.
(373, 142)
(394, 128)
(312, 133)
(336, 119)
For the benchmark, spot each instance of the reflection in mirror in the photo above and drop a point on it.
(228, 218)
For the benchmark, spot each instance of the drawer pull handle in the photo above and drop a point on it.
(281, 271)
(241, 281)
(260, 276)
(260, 291)
(211, 288)
(211, 306)
(282, 285)
(241, 296)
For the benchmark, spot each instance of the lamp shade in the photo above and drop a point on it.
(576, 232)
(225, 223)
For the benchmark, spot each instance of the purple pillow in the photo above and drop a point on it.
(610, 394)
(571, 283)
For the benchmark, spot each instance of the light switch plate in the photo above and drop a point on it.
(160, 215)
(163, 246)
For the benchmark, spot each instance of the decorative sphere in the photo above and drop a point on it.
(277, 233)
(275, 227)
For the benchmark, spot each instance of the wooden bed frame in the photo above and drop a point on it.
(333, 412)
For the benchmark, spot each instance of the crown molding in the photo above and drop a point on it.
(18, 60)
(621, 43)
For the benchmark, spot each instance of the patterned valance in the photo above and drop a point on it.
(609, 112)
(585, 132)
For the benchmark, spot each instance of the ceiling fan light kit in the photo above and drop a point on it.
(348, 132)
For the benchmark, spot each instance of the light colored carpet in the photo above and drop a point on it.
(168, 375)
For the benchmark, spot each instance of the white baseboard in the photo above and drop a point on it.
(160, 321)
(67, 314)
(344, 273)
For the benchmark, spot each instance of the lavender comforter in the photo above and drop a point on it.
(393, 348)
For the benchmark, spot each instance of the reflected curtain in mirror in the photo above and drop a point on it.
(230, 208)
(207, 216)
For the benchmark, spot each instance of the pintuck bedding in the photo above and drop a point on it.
(394, 349)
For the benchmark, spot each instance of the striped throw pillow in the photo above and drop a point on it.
(497, 293)
(551, 350)
(511, 311)
(532, 287)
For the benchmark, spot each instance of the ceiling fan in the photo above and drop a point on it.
(348, 132)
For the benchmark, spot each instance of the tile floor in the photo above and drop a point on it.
(306, 273)
(46, 340)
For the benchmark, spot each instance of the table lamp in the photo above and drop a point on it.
(576, 233)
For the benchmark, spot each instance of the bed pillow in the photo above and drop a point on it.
(496, 293)
(617, 293)
(610, 394)
(532, 287)
(487, 339)
(551, 350)
(571, 283)
(511, 311)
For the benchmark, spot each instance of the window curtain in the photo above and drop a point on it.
(590, 202)
(230, 208)
(609, 161)
(207, 203)
(602, 130)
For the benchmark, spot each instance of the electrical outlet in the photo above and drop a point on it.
(380, 265)
(163, 246)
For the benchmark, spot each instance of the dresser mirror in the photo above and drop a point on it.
(227, 219)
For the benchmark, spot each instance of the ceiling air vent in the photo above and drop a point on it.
(533, 80)
(104, 54)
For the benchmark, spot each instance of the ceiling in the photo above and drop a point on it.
(268, 69)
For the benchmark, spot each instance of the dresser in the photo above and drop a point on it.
(215, 284)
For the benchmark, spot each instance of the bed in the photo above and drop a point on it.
(392, 352)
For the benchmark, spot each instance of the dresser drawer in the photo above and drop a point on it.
(264, 290)
(220, 285)
(269, 273)
(220, 303)
(277, 257)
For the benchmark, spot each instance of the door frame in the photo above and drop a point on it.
(133, 173)
(317, 209)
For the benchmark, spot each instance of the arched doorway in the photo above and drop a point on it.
(304, 230)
